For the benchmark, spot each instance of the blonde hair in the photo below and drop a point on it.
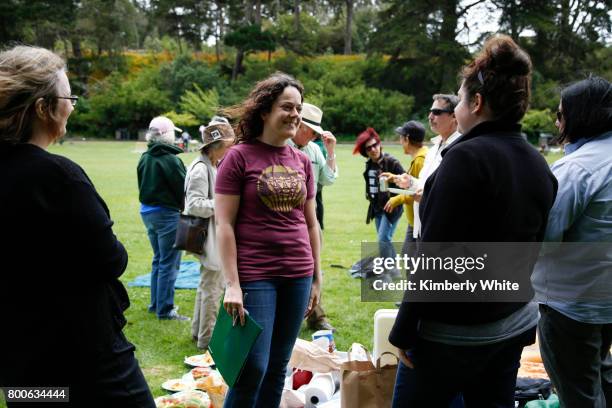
(26, 75)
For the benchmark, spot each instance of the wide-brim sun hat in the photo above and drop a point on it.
(312, 116)
(218, 129)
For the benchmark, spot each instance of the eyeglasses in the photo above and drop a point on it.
(559, 115)
(371, 147)
(72, 98)
(438, 112)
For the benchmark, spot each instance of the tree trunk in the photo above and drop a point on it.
(66, 49)
(446, 46)
(237, 64)
(220, 30)
(348, 32)
(296, 15)
(258, 12)
(564, 43)
(248, 11)
(76, 47)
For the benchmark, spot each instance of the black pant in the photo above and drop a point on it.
(577, 359)
(319, 202)
(484, 375)
(112, 379)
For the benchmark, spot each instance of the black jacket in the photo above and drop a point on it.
(61, 299)
(377, 201)
(492, 186)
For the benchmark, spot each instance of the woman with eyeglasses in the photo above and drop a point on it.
(60, 292)
(492, 187)
(573, 279)
(368, 145)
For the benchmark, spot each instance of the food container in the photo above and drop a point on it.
(329, 335)
(383, 184)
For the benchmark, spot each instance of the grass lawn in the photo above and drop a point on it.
(161, 346)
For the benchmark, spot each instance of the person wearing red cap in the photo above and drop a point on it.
(368, 144)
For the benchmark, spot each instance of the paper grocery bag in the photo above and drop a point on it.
(364, 385)
(309, 356)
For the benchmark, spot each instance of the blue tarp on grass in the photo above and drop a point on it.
(188, 277)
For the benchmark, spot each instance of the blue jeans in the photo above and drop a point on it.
(278, 305)
(161, 229)
(385, 229)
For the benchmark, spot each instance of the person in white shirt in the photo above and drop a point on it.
(442, 121)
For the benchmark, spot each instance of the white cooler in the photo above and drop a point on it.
(383, 322)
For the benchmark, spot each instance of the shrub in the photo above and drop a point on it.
(119, 103)
(538, 121)
(351, 110)
(201, 104)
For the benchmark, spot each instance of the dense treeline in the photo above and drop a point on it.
(367, 62)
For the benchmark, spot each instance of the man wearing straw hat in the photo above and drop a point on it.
(325, 173)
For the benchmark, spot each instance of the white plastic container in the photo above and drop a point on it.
(383, 322)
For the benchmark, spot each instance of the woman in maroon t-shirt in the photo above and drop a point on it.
(268, 234)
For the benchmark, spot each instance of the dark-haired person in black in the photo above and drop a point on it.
(60, 292)
(369, 145)
(573, 282)
(491, 186)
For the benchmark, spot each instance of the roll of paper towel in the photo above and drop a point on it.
(320, 389)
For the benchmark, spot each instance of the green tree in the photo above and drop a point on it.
(111, 26)
(304, 40)
(421, 39)
(247, 39)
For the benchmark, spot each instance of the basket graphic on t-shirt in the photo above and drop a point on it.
(281, 188)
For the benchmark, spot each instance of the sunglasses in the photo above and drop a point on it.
(438, 112)
(371, 147)
(559, 115)
(72, 98)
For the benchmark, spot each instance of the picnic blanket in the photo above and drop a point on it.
(187, 278)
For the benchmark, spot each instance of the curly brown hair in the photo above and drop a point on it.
(501, 74)
(26, 75)
(260, 101)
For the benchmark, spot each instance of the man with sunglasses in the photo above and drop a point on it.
(442, 121)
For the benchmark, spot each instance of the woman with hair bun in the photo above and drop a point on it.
(268, 234)
(60, 291)
(492, 186)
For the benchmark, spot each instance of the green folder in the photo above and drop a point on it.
(230, 345)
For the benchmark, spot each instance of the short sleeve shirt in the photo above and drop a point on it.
(271, 234)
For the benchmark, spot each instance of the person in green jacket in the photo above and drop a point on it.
(161, 177)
